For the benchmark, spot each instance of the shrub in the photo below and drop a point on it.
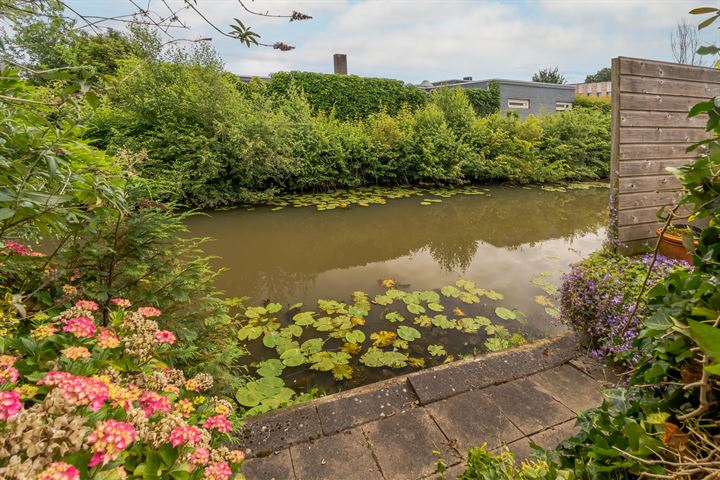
(485, 101)
(603, 104)
(92, 398)
(598, 295)
(348, 96)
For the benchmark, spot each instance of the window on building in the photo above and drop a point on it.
(521, 104)
(560, 106)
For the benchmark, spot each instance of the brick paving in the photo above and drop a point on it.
(398, 429)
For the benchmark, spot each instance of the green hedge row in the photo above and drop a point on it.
(350, 96)
(210, 144)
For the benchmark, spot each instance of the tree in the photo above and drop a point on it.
(684, 44)
(549, 75)
(602, 75)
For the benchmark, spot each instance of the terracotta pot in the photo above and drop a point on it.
(672, 246)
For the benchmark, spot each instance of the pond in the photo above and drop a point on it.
(514, 242)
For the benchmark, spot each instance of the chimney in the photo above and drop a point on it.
(340, 63)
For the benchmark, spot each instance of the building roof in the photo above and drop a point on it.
(467, 83)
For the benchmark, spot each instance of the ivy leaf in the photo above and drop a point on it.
(707, 337)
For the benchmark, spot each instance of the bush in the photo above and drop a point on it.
(348, 96)
(485, 102)
(603, 104)
(598, 295)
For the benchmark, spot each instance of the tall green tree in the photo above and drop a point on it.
(549, 75)
(602, 75)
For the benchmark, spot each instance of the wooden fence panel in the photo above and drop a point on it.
(650, 133)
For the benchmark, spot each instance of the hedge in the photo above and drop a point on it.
(602, 104)
(351, 97)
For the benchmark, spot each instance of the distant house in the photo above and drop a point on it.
(519, 96)
(596, 89)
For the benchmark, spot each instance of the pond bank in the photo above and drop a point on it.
(389, 430)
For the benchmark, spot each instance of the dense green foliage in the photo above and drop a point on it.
(348, 96)
(485, 101)
(602, 104)
(549, 75)
(210, 144)
(602, 75)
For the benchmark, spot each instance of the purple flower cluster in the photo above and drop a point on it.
(598, 294)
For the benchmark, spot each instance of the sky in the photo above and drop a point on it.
(415, 40)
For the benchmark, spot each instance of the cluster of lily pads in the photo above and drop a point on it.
(364, 197)
(551, 289)
(331, 338)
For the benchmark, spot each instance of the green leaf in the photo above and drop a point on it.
(408, 333)
(436, 307)
(270, 368)
(436, 350)
(393, 317)
(415, 309)
(505, 313)
(304, 318)
(707, 337)
(355, 336)
(293, 357)
(273, 307)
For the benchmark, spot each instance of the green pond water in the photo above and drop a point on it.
(512, 240)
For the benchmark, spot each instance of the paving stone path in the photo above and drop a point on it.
(398, 429)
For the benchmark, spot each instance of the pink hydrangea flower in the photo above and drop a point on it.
(152, 402)
(108, 440)
(74, 353)
(121, 302)
(218, 471)
(81, 327)
(185, 434)
(7, 360)
(236, 456)
(78, 390)
(107, 339)
(9, 374)
(149, 312)
(218, 422)
(87, 305)
(10, 404)
(59, 471)
(200, 456)
(165, 336)
(17, 248)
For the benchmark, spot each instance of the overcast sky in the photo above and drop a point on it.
(414, 40)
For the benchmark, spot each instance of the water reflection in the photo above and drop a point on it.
(501, 239)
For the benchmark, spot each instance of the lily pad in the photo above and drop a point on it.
(408, 333)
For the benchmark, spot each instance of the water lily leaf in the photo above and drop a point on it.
(292, 357)
(295, 306)
(249, 332)
(375, 357)
(435, 307)
(284, 343)
(271, 339)
(495, 344)
(450, 291)
(430, 296)
(255, 312)
(441, 321)
(273, 307)
(388, 283)
(342, 372)
(393, 317)
(383, 300)
(248, 397)
(311, 346)
(458, 311)
(355, 336)
(396, 294)
(425, 204)
(505, 314)
(543, 300)
(382, 338)
(466, 284)
(492, 294)
(291, 331)
(423, 321)
(351, 348)
(324, 324)
(468, 325)
(416, 362)
(436, 350)
(401, 344)
(415, 309)
(276, 209)
(545, 284)
(332, 306)
(270, 368)
(412, 298)
(469, 298)
(304, 318)
(408, 333)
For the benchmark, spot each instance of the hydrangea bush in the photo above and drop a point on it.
(83, 399)
(598, 294)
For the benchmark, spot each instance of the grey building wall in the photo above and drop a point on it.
(541, 96)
